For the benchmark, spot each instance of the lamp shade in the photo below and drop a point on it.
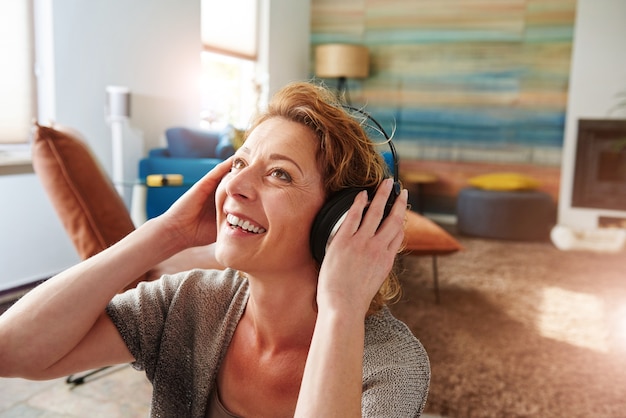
(341, 60)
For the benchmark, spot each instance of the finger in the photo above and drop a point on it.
(396, 243)
(355, 213)
(398, 212)
(399, 208)
(400, 205)
(393, 224)
(371, 220)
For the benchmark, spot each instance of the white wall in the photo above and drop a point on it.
(150, 46)
(285, 46)
(598, 73)
(33, 244)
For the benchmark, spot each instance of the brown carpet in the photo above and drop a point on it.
(522, 330)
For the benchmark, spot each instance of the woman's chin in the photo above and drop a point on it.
(229, 260)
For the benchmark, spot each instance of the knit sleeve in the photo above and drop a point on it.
(396, 369)
(158, 318)
(140, 314)
(178, 329)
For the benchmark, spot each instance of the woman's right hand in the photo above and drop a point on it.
(191, 219)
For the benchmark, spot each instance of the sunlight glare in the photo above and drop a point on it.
(620, 330)
(575, 318)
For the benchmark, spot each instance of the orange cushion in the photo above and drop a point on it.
(90, 209)
(423, 236)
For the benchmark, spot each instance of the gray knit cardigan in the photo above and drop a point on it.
(179, 327)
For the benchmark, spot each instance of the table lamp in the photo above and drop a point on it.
(341, 61)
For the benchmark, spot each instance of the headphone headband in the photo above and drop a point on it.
(332, 214)
(392, 147)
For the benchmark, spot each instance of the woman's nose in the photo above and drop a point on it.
(242, 183)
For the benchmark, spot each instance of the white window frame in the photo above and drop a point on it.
(18, 80)
(230, 86)
(231, 27)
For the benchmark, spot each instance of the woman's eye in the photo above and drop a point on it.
(280, 174)
(238, 163)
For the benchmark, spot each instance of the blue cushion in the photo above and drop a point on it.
(388, 157)
(225, 147)
(192, 143)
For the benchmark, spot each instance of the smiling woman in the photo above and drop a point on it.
(277, 332)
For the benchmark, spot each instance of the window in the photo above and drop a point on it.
(17, 83)
(230, 27)
(230, 89)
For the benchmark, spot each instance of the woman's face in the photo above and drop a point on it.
(267, 203)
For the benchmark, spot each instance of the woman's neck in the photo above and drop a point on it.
(282, 310)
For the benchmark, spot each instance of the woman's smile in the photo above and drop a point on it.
(236, 222)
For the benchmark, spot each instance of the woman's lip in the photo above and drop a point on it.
(244, 223)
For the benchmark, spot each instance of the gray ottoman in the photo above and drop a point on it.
(516, 215)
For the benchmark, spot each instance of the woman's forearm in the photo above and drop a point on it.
(333, 375)
(51, 320)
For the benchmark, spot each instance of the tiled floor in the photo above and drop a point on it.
(118, 392)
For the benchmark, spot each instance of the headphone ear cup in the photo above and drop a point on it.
(329, 219)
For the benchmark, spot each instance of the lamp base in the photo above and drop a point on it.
(342, 90)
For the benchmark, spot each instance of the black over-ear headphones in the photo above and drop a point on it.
(334, 211)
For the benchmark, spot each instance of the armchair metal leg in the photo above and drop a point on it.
(79, 380)
(436, 278)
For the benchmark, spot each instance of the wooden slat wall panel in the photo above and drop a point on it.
(460, 72)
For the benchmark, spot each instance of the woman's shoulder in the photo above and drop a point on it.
(227, 280)
(190, 290)
(211, 287)
(390, 343)
(383, 326)
(396, 369)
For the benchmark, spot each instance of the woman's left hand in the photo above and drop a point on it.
(356, 264)
(362, 253)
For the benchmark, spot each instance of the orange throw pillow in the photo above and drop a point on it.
(90, 209)
(424, 237)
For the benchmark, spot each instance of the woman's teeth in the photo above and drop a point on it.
(245, 225)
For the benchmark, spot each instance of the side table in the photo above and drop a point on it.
(414, 181)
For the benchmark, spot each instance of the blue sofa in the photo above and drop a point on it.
(191, 153)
